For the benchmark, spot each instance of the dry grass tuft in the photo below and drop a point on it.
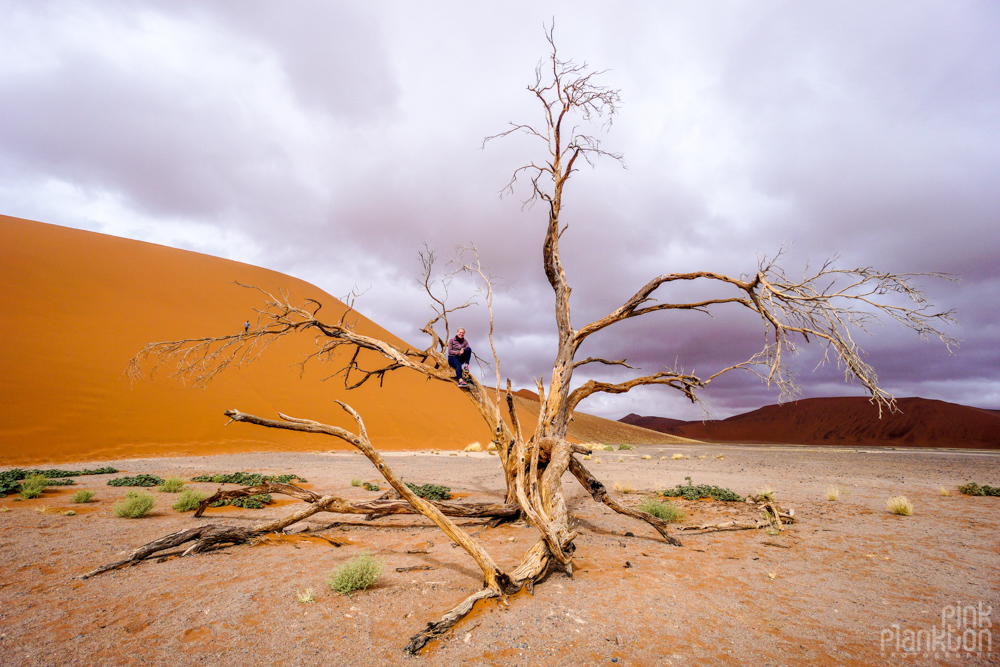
(677, 457)
(474, 447)
(597, 459)
(171, 485)
(357, 574)
(82, 496)
(587, 457)
(305, 596)
(646, 457)
(134, 505)
(766, 492)
(624, 487)
(944, 492)
(832, 492)
(899, 505)
(621, 460)
(664, 510)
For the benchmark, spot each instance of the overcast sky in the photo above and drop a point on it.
(331, 140)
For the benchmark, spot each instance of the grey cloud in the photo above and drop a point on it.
(342, 137)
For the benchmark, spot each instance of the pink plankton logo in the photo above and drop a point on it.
(964, 630)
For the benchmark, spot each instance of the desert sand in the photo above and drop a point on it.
(823, 592)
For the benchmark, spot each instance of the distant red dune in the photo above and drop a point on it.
(920, 422)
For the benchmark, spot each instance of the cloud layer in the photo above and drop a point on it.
(332, 140)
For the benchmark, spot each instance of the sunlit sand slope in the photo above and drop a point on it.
(77, 305)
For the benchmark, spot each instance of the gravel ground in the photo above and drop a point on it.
(839, 587)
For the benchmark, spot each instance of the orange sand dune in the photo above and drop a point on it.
(921, 422)
(77, 305)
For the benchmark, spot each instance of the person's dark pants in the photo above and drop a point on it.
(456, 362)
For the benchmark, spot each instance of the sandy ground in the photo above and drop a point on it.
(837, 588)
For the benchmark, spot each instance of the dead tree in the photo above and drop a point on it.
(825, 305)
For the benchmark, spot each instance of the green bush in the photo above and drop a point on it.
(368, 486)
(692, 492)
(247, 502)
(82, 496)
(134, 505)
(973, 489)
(138, 480)
(608, 448)
(661, 510)
(189, 500)
(10, 480)
(357, 574)
(430, 491)
(355, 482)
(33, 486)
(171, 485)
(247, 479)
(620, 447)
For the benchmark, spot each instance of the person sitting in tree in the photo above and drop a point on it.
(459, 355)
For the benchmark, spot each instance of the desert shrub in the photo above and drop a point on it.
(82, 496)
(134, 505)
(944, 492)
(620, 447)
(677, 456)
(692, 492)
(357, 574)
(492, 447)
(899, 505)
(621, 460)
(355, 482)
(55, 472)
(171, 485)
(369, 486)
(587, 457)
(474, 447)
(305, 596)
(430, 491)
(973, 489)
(646, 457)
(832, 492)
(33, 486)
(661, 510)
(766, 492)
(609, 448)
(624, 487)
(10, 480)
(189, 500)
(254, 502)
(247, 479)
(137, 480)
